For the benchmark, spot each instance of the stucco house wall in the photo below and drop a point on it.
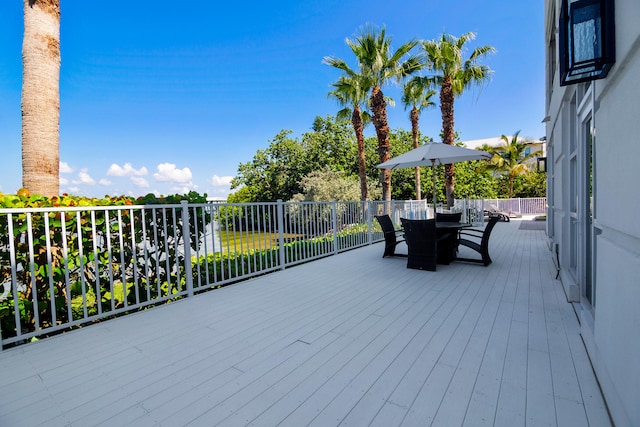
(610, 248)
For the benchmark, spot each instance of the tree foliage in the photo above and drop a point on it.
(511, 159)
(277, 171)
(351, 92)
(274, 172)
(73, 264)
(292, 166)
(532, 184)
(327, 184)
(378, 64)
(453, 74)
(417, 96)
(475, 181)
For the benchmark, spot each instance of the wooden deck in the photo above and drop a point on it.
(352, 339)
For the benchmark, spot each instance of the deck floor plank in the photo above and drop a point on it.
(481, 406)
(352, 339)
(455, 404)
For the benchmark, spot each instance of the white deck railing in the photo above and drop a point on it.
(64, 267)
(529, 206)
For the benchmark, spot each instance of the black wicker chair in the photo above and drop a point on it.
(391, 236)
(448, 217)
(447, 249)
(480, 242)
(422, 241)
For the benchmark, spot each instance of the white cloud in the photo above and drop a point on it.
(105, 182)
(126, 170)
(183, 189)
(221, 181)
(167, 172)
(140, 182)
(65, 168)
(224, 191)
(84, 178)
(64, 181)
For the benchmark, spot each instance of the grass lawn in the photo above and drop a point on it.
(246, 241)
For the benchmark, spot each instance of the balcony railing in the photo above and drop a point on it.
(529, 206)
(65, 267)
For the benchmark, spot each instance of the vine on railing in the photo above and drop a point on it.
(67, 259)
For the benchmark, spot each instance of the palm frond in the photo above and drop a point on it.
(417, 93)
(338, 63)
(350, 90)
(344, 114)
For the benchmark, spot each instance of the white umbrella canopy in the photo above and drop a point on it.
(432, 154)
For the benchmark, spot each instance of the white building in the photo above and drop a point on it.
(593, 163)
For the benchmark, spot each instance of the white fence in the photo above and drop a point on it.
(473, 210)
(530, 206)
(64, 267)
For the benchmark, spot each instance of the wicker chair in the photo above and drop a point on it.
(447, 248)
(448, 217)
(422, 241)
(480, 242)
(391, 236)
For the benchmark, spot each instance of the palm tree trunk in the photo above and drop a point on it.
(446, 107)
(358, 128)
(415, 131)
(41, 97)
(379, 109)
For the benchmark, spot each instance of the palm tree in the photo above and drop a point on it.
(511, 158)
(352, 91)
(41, 97)
(454, 75)
(379, 64)
(417, 94)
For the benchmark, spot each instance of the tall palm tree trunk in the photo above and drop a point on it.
(41, 97)
(379, 109)
(446, 107)
(358, 128)
(415, 132)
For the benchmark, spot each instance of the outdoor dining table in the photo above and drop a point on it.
(448, 247)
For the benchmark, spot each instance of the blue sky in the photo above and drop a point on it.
(169, 96)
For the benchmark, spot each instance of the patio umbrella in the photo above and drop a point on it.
(432, 154)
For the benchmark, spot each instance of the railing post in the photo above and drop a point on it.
(334, 219)
(280, 213)
(186, 243)
(367, 212)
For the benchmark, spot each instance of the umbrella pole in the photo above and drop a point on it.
(433, 176)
